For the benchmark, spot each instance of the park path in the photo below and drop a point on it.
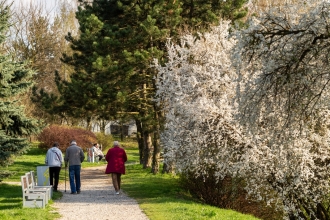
(96, 200)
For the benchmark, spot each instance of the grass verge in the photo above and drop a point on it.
(162, 198)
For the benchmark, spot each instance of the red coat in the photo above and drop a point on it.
(116, 158)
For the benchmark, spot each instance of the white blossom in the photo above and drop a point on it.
(255, 106)
(284, 104)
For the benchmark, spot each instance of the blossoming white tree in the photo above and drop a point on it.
(281, 78)
(285, 106)
(197, 87)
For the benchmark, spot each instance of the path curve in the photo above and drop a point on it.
(97, 199)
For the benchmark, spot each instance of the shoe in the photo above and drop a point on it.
(78, 192)
(117, 193)
(73, 193)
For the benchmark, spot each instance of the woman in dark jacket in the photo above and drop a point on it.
(116, 158)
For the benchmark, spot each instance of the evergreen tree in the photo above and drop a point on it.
(15, 79)
(113, 55)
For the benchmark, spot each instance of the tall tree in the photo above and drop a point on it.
(38, 35)
(118, 42)
(197, 85)
(16, 79)
(92, 89)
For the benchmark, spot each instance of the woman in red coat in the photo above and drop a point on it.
(116, 158)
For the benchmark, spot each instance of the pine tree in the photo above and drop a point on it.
(113, 55)
(91, 92)
(15, 79)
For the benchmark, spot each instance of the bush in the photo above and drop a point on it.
(5, 174)
(228, 193)
(105, 140)
(64, 135)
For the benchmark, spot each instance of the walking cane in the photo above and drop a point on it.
(65, 179)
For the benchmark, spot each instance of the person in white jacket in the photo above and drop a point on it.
(97, 151)
(54, 159)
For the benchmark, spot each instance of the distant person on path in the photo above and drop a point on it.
(116, 158)
(98, 152)
(54, 159)
(74, 155)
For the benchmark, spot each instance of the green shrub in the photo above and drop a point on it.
(105, 140)
(63, 135)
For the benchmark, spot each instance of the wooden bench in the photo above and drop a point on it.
(36, 186)
(32, 199)
(91, 157)
(33, 188)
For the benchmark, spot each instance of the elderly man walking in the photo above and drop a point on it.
(74, 155)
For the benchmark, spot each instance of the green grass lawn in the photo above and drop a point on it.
(160, 196)
(11, 206)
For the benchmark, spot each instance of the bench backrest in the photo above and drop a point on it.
(29, 180)
(33, 178)
(90, 151)
(24, 184)
(91, 155)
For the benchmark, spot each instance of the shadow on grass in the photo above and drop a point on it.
(27, 165)
(134, 155)
(10, 200)
(35, 151)
(10, 196)
(20, 168)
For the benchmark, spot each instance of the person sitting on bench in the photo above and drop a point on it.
(97, 151)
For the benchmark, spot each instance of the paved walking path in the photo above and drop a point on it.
(97, 199)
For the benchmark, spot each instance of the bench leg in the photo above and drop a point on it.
(35, 203)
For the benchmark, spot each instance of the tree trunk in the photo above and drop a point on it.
(139, 136)
(102, 126)
(156, 142)
(121, 131)
(88, 123)
(156, 154)
(147, 150)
